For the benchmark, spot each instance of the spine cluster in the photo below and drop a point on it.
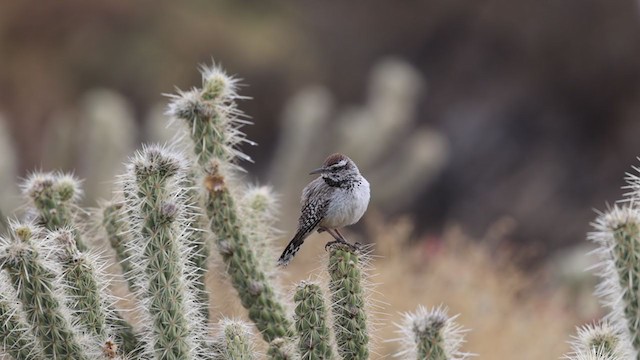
(348, 302)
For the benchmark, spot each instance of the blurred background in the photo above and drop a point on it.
(489, 129)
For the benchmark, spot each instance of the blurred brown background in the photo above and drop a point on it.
(538, 100)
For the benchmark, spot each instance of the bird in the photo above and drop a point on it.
(335, 199)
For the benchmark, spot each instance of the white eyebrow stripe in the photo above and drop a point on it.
(340, 163)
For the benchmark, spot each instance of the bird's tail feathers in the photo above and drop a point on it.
(293, 247)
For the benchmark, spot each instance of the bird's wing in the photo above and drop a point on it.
(314, 207)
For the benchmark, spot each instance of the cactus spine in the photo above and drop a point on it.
(81, 283)
(430, 335)
(18, 341)
(115, 225)
(54, 195)
(156, 210)
(348, 302)
(237, 343)
(603, 339)
(199, 249)
(34, 281)
(311, 323)
(213, 122)
(617, 232)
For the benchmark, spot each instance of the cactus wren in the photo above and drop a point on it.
(337, 198)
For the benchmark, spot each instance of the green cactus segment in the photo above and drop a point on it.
(211, 117)
(34, 284)
(626, 254)
(213, 122)
(237, 343)
(81, 284)
(603, 338)
(429, 339)
(348, 302)
(17, 340)
(280, 349)
(88, 301)
(311, 323)
(199, 249)
(431, 335)
(618, 236)
(115, 225)
(157, 211)
(255, 291)
(54, 195)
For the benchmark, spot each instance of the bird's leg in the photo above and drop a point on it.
(340, 235)
(339, 239)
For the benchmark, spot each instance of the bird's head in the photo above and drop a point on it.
(337, 167)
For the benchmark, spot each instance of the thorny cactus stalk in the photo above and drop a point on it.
(86, 292)
(54, 196)
(254, 288)
(236, 342)
(159, 220)
(592, 354)
(602, 339)
(33, 277)
(17, 340)
(116, 227)
(85, 284)
(617, 233)
(312, 322)
(281, 349)
(213, 122)
(430, 335)
(348, 301)
(199, 246)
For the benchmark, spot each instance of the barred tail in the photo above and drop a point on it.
(293, 247)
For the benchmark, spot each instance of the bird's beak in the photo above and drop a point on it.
(317, 171)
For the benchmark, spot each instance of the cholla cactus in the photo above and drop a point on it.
(213, 123)
(617, 232)
(311, 322)
(197, 238)
(348, 301)
(236, 341)
(430, 335)
(114, 222)
(84, 282)
(592, 354)
(33, 277)
(54, 195)
(603, 339)
(15, 332)
(158, 216)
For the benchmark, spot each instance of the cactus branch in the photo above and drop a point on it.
(348, 302)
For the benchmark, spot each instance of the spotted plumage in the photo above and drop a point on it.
(337, 198)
